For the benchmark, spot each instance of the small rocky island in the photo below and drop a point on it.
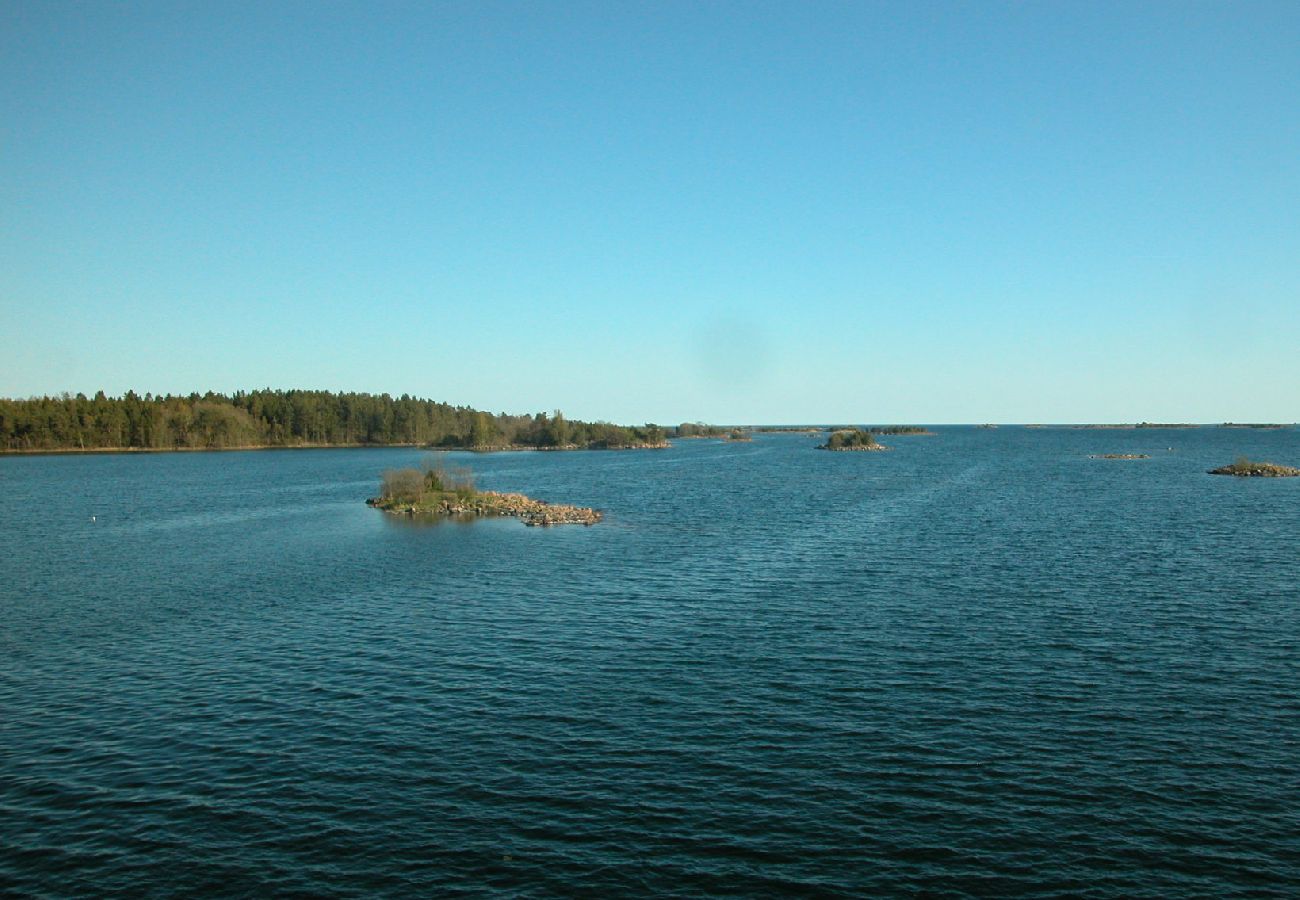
(1120, 456)
(434, 491)
(738, 436)
(852, 439)
(1245, 468)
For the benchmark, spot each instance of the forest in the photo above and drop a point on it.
(291, 418)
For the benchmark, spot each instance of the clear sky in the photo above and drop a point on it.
(748, 212)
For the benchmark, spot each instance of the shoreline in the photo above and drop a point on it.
(77, 451)
(249, 448)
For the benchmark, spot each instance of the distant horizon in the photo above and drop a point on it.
(673, 422)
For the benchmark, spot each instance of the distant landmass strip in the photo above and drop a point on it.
(291, 418)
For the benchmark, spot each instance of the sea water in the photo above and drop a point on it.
(980, 663)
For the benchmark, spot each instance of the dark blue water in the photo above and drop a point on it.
(982, 663)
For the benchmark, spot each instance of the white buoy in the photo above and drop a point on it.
(92, 518)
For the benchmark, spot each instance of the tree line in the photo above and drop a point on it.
(280, 418)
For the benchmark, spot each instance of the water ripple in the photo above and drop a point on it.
(769, 672)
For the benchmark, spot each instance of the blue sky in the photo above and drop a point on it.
(752, 212)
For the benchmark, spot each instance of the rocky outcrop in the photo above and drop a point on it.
(1120, 456)
(491, 503)
(1245, 468)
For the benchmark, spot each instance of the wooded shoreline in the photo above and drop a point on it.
(252, 448)
(268, 418)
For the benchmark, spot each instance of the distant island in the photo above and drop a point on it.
(1120, 456)
(851, 439)
(1141, 425)
(688, 430)
(1245, 468)
(435, 491)
(293, 418)
(729, 433)
(1264, 425)
(899, 429)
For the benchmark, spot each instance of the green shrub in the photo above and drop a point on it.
(854, 437)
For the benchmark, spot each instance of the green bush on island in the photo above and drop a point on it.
(851, 439)
(436, 490)
(430, 484)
